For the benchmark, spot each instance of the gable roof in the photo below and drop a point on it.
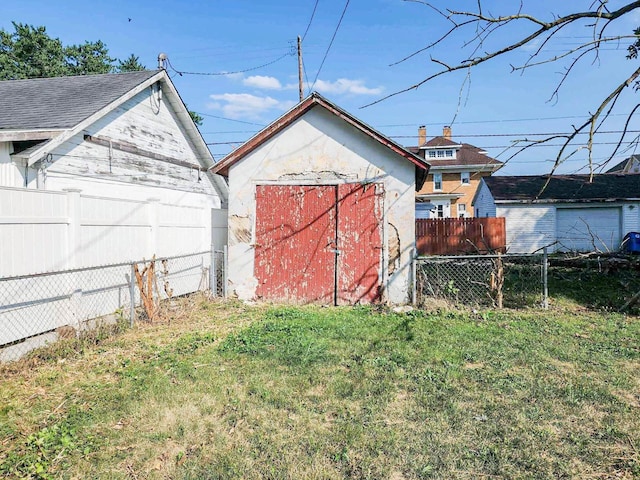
(61, 102)
(440, 142)
(626, 166)
(564, 188)
(313, 100)
(55, 109)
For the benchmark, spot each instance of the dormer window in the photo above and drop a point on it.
(448, 153)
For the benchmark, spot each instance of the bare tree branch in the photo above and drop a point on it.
(478, 27)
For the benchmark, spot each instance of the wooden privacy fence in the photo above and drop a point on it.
(453, 236)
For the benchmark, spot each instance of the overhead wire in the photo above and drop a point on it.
(310, 20)
(182, 72)
(333, 37)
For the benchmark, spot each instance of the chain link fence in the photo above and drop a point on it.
(482, 280)
(42, 308)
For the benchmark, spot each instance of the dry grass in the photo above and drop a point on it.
(225, 390)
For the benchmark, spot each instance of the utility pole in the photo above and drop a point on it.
(300, 87)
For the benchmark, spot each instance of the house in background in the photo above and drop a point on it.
(569, 214)
(454, 176)
(628, 165)
(321, 209)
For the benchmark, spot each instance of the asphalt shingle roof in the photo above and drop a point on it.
(605, 187)
(620, 167)
(61, 102)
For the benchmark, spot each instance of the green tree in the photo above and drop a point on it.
(29, 52)
(130, 64)
(196, 117)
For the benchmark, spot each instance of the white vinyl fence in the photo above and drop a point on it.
(52, 242)
(45, 231)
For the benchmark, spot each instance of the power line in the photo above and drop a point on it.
(330, 43)
(493, 121)
(548, 134)
(230, 119)
(181, 73)
(310, 20)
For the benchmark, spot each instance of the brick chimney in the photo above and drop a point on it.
(446, 132)
(422, 135)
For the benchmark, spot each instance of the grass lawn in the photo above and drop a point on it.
(227, 390)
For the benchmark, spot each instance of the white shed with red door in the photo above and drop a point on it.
(321, 210)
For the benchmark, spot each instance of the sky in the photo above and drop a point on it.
(235, 63)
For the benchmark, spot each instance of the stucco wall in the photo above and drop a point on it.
(320, 148)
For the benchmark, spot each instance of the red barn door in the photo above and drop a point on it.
(359, 243)
(318, 244)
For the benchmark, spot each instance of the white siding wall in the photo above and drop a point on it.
(630, 217)
(529, 227)
(9, 172)
(484, 206)
(148, 125)
(321, 146)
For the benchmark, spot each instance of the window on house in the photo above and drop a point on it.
(448, 153)
(462, 210)
(465, 178)
(432, 154)
(440, 153)
(440, 211)
(437, 181)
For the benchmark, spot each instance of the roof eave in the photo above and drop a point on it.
(194, 135)
(484, 167)
(19, 135)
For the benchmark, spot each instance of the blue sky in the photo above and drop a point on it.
(215, 36)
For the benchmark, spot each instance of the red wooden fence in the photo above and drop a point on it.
(454, 236)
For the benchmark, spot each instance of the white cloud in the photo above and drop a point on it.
(234, 76)
(344, 85)
(245, 105)
(260, 81)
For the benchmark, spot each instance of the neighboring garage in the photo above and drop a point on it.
(321, 210)
(565, 213)
(589, 229)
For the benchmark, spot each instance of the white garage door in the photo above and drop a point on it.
(588, 229)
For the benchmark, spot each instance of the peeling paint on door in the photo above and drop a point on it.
(319, 244)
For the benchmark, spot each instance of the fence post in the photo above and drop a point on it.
(132, 296)
(545, 284)
(73, 245)
(213, 277)
(414, 277)
(225, 270)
